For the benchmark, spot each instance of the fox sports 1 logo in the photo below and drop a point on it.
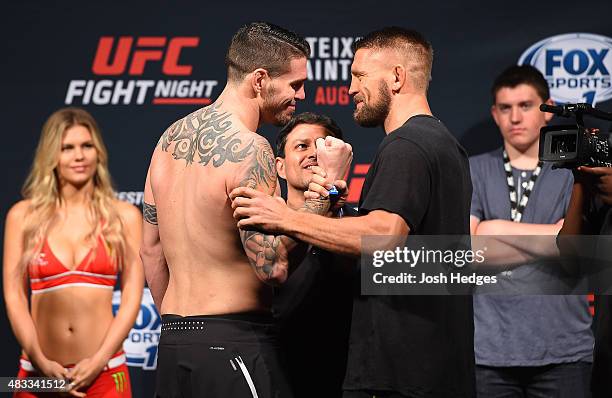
(141, 344)
(576, 65)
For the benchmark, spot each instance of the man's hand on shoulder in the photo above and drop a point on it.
(257, 210)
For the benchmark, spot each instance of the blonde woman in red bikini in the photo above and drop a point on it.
(69, 242)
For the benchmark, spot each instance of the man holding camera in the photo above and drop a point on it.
(590, 213)
(525, 345)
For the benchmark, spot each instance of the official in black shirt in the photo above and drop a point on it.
(313, 307)
(419, 183)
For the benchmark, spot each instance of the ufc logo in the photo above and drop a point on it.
(147, 49)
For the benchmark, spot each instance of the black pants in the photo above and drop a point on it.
(565, 380)
(219, 357)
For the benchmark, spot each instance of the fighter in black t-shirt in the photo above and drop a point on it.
(419, 183)
(420, 173)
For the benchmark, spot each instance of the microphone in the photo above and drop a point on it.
(557, 110)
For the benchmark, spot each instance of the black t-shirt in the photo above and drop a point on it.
(416, 345)
(313, 309)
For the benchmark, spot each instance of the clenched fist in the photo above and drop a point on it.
(334, 156)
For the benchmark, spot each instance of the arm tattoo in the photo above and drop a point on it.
(149, 213)
(205, 135)
(262, 251)
(316, 206)
(262, 170)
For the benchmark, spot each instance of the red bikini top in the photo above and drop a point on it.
(47, 273)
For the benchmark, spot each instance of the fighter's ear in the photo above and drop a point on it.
(547, 115)
(280, 168)
(258, 76)
(399, 78)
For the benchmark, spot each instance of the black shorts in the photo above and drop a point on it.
(219, 356)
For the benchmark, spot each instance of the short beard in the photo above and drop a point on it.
(273, 110)
(372, 115)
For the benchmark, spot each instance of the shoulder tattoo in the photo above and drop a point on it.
(205, 136)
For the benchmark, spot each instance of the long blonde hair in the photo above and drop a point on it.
(42, 188)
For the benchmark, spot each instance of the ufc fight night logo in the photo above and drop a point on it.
(136, 57)
(576, 65)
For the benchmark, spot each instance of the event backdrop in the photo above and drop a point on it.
(138, 66)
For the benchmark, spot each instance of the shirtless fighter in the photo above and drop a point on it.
(211, 282)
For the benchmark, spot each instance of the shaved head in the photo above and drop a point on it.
(410, 48)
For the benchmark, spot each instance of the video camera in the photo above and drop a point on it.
(570, 146)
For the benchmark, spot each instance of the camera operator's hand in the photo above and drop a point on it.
(600, 181)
